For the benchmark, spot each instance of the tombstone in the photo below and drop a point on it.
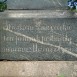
(38, 34)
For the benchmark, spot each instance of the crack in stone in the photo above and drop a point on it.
(43, 43)
(59, 3)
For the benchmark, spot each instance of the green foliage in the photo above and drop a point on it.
(3, 6)
(61, 76)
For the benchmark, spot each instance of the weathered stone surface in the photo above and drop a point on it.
(38, 69)
(36, 4)
(38, 36)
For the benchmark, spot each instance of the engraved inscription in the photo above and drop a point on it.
(51, 38)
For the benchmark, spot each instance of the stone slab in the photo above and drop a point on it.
(36, 4)
(38, 37)
(38, 69)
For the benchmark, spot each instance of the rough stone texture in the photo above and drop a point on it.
(38, 69)
(36, 4)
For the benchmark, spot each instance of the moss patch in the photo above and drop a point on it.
(61, 76)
